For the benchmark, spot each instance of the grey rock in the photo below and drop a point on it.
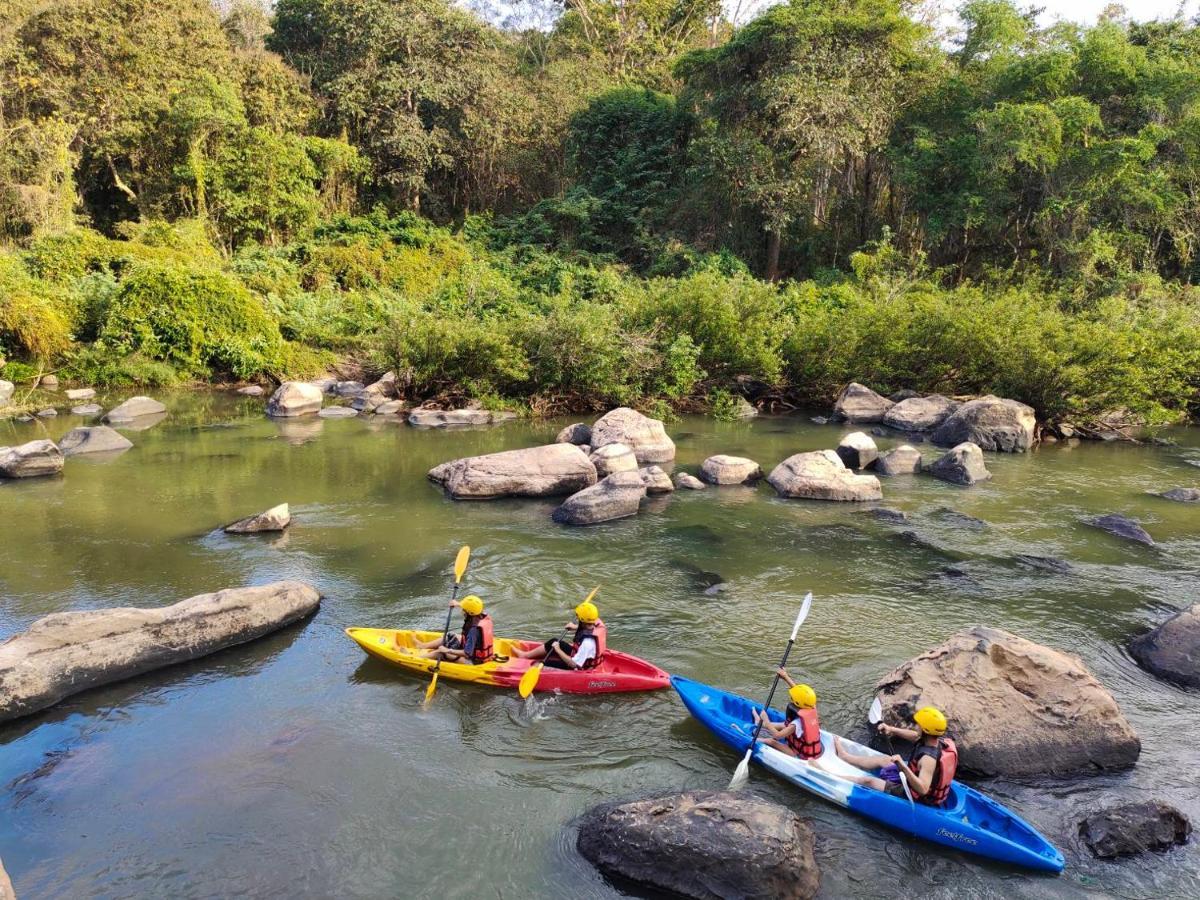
(338, 412)
(857, 450)
(391, 408)
(1172, 650)
(688, 482)
(65, 653)
(81, 393)
(744, 409)
(961, 465)
(886, 514)
(919, 413)
(615, 497)
(859, 404)
(445, 418)
(903, 394)
(87, 409)
(30, 460)
(47, 413)
(656, 480)
(133, 409)
(547, 471)
(48, 383)
(819, 420)
(1134, 828)
(645, 436)
(722, 469)
(7, 389)
(94, 439)
(385, 386)
(1182, 495)
(579, 433)
(348, 388)
(295, 398)
(704, 845)
(1044, 563)
(277, 518)
(959, 519)
(821, 475)
(613, 458)
(1122, 527)
(251, 390)
(368, 401)
(991, 423)
(325, 385)
(902, 460)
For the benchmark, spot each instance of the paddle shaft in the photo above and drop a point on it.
(774, 684)
(446, 631)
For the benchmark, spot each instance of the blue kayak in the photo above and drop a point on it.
(966, 821)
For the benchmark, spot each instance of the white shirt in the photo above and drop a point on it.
(586, 651)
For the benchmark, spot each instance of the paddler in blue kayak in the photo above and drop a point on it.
(474, 645)
(582, 651)
(800, 733)
(928, 770)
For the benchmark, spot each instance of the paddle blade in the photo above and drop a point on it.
(529, 680)
(460, 563)
(592, 596)
(907, 789)
(429, 691)
(803, 614)
(875, 713)
(741, 774)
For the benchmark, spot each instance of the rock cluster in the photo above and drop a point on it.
(645, 436)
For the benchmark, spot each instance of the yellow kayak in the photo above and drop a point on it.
(613, 673)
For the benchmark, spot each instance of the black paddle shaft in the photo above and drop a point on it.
(771, 695)
(437, 666)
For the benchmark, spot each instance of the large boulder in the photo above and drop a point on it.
(859, 404)
(990, 422)
(547, 471)
(1172, 650)
(615, 497)
(7, 389)
(579, 433)
(93, 439)
(613, 458)
(277, 518)
(65, 653)
(1015, 707)
(857, 450)
(722, 469)
(295, 398)
(1134, 828)
(647, 437)
(821, 475)
(919, 413)
(961, 465)
(31, 460)
(446, 418)
(902, 460)
(704, 844)
(1122, 527)
(133, 409)
(656, 480)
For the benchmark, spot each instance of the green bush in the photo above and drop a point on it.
(35, 315)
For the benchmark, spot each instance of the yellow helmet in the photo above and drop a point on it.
(803, 696)
(472, 605)
(931, 720)
(587, 612)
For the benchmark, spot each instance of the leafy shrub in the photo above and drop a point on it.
(35, 315)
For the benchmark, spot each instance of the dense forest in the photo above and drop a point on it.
(640, 203)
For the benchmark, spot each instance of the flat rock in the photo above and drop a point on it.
(613, 458)
(338, 412)
(251, 390)
(616, 496)
(857, 450)
(1172, 650)
(579, 433)
(821, 475)
(722, 469)
(31, 460)
(1122, 527)
(1182, 495)
(859, 404)
(86, 409)
(903, 460)
(295, 398)
(81, 393)
(645, 436)
(277, 518)
(704, 844)
(990, 422)
(65, 653)
(7, 389)
(547, 471)
(391, 408)
(1134, 828)
(919, 413)
(961, 465)
(656, 480)
(688, 482)
(445, 418)
(133, 409)
(94, 439)
(1015, 707)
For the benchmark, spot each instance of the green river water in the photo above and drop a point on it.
(295, 767)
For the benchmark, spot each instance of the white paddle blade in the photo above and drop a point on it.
(741, 774)
(875, 713)
(907, 789)
(803, 614)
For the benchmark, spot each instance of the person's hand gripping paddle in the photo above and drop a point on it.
(530, 679)
(875, 719)
(742, 773)
(460, 567)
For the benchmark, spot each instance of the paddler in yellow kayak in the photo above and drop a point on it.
(474, 645)
(582, 651)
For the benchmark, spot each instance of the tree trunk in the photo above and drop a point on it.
(773, 239)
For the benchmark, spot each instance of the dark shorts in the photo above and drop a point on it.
(453, 641)
(553, 661)
(896, 789)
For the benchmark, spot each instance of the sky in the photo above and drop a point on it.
(1087, 10)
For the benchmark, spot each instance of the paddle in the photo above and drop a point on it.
(460, 567)
(875, 717)
(530, 679)
(742, 773)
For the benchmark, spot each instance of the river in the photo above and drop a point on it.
(293, 766)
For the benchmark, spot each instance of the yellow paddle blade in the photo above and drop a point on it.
(529, 680)
(460, 563)
(592, 596)
(432, 687)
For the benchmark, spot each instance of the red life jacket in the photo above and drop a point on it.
(483, 648)
(806, 739)
(599, 633)
(945, 757)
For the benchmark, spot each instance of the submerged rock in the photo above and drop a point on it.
(1172, 650)
(547, 471)
(95, 439)
(616, 496)
(961, 519)
(338, 412)
(722, 469)
(857, 450)
(1044, 563)
(1182, 495)
(859, 404)
(579, 433)
(704, 844)
(821, 475)
(1123, 527)
(886, 514)
(86, 410)
(443, 418)
(961, 465)
(990, 422)
(65, 653)
(919, 413)
(133, 409)
(251, 390)
(31, 460)
(688, 482)
(1134, 828)
(656, 480)
(902, 460)
(645, 436)
(277, 518)
(295, 398)
(1015, 707)
(613, 458)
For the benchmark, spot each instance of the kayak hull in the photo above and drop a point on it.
(616, 672)
(967, 821)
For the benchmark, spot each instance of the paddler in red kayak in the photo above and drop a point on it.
(473, 645)
(582, 651)
(800, 734)
(928, 770)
